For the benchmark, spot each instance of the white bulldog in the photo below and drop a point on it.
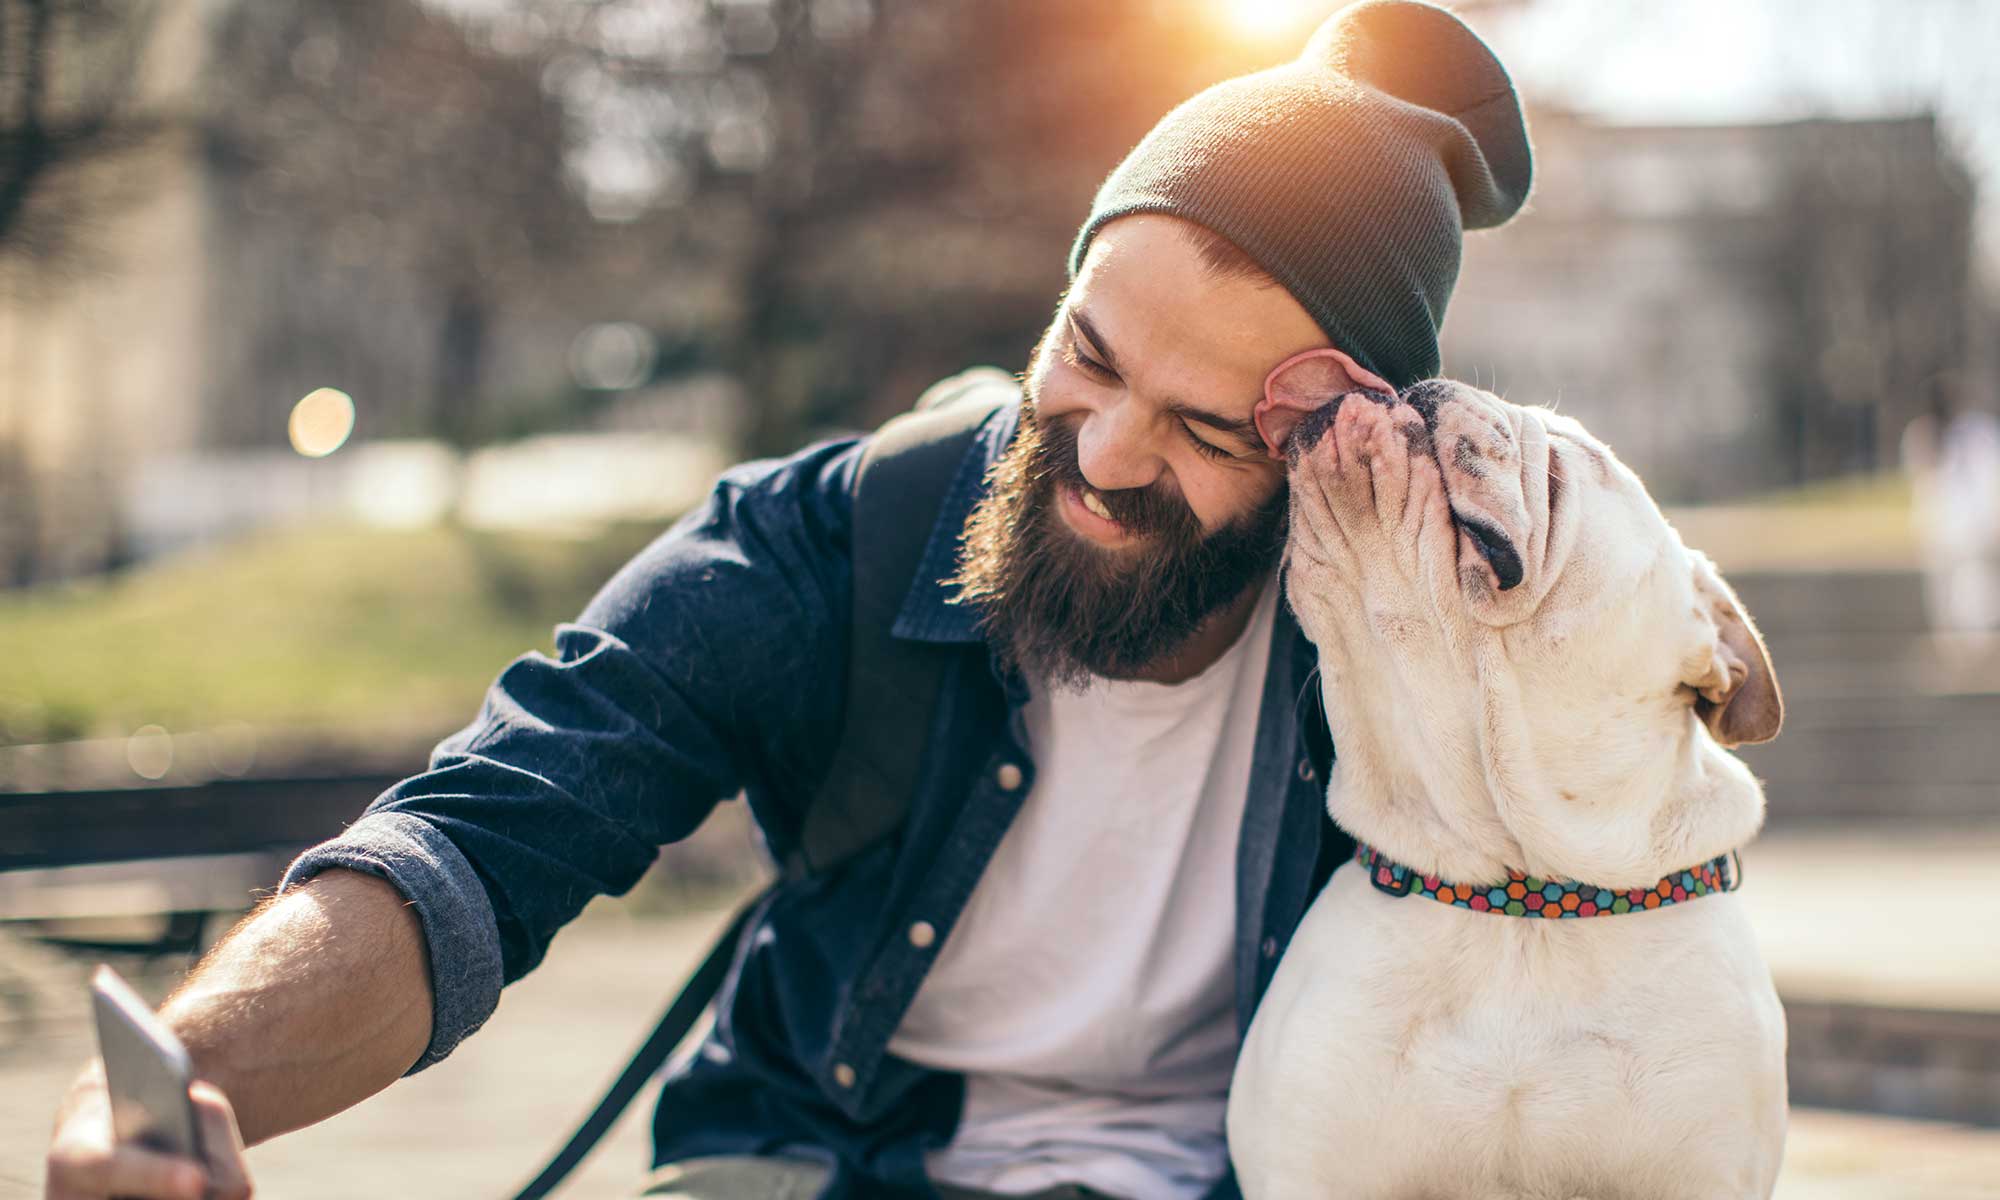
(1530, 682)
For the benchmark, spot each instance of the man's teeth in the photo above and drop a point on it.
(1096, 505)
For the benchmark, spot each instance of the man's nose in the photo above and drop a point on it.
(1114, 449)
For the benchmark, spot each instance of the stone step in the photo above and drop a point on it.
(1938, 1064)
(1821, 802)
(1861, 755)
(1941, 738)
(1834, 601)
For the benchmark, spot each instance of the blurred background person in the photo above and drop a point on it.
(1952, 453)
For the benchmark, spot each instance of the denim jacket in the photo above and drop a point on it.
(714, 665)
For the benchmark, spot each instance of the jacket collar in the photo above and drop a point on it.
(928, 614)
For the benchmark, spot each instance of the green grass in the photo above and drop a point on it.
(1884, 490)
(1858, 522)
(320, 628)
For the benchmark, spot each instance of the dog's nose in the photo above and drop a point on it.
(1424, 396)
(1313, 426)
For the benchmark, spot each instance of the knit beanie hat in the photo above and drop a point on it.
(1348, 174)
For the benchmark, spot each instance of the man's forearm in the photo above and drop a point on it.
(314, 1003)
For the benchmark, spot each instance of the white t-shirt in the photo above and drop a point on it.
(1087, 991)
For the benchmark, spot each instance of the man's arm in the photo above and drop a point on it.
(711, 663)
(314, 1002)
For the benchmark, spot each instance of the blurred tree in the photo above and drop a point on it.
(902, 176)
(69, 83)
(836, 201)
(74, 117)
(435, 161)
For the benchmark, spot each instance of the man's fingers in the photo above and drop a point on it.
(128, 1171)
(140, 1173)
(221, 1144)
(83, 1165)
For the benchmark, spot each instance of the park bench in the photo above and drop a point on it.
(84, 845)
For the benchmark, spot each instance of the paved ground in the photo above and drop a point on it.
(477, 1124)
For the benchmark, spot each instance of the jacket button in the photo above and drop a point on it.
(843, 1075)
(1270, 947)
(922, 934)
(1008, 777)
(1306, 769)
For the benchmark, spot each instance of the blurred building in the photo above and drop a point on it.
(1733, 308)
(100, 344)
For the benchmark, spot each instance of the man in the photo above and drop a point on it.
(1038, 987)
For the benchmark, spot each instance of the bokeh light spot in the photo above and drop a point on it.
(232, 748)
(613, 357)
(150, 752)
(322, 422)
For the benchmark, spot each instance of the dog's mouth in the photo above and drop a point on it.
(1494, 545)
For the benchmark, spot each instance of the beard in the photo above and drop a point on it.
(1057, 606)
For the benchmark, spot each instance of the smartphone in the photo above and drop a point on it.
(147, 1071)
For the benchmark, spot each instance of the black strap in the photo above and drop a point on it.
(649, 1058)
(892, 684)
(899, 486)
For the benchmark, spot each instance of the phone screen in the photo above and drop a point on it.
(146, 1068)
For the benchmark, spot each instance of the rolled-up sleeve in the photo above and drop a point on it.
(450, 903)
(711, 663)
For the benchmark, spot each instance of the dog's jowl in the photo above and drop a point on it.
(1534, 982)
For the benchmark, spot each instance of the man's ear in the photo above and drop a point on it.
(1303, 384)
(1736, 691)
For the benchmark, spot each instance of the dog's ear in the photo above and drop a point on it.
(1304, 383)
(1736, 691)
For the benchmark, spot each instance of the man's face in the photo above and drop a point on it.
(1137, 500)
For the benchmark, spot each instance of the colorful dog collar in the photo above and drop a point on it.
(1524, 895)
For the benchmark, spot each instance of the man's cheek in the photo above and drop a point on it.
(1221, 503)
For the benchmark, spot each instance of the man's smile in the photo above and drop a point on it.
(1085, 513)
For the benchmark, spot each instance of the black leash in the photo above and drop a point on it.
(649, 1058)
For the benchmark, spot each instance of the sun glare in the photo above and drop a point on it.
(1270, 18)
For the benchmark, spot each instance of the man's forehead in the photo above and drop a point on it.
(1174, 325)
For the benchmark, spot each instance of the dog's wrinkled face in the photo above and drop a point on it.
(1501, 609)
(1476, 505)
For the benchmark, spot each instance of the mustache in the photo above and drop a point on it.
(1153, 510)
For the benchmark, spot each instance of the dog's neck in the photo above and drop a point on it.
(1498, 782)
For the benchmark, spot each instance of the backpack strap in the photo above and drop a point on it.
(651, 1055)
(892, 684)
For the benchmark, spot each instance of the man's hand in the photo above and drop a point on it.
(317, 1000)
(86, 1164)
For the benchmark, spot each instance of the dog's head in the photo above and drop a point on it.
(1494, 574)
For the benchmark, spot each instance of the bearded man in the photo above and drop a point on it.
(1038, 986)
